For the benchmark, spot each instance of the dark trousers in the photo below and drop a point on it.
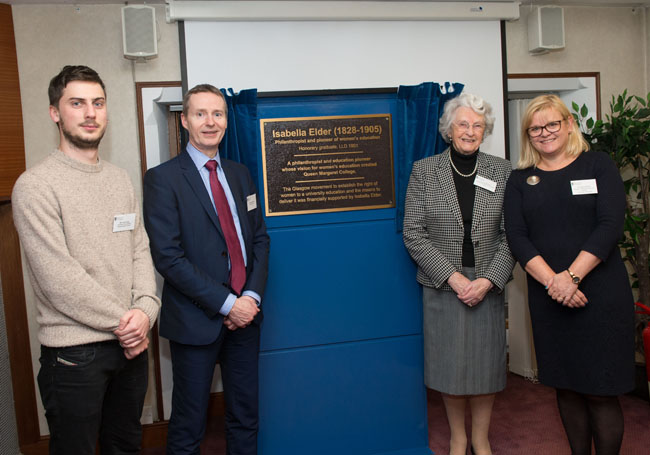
(193, 367)
(93, 391)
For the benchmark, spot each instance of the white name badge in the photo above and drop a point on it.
(124, 222)
(488, 184)
(586, 186)
(251, 202)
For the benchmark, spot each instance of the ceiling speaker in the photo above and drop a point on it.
(139, 32)
(545, 29)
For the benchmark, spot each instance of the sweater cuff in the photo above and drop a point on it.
(148, 306)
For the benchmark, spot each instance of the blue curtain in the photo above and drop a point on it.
(242, 136)
(419, 108)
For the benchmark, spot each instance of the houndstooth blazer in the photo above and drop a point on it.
(433, 224)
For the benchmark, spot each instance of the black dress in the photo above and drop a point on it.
(589, 350)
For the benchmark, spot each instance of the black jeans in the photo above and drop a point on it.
(92, 391)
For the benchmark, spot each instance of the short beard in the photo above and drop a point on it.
(79, 142)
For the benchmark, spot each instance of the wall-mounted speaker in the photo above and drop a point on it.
(139, 32)
(545, 29)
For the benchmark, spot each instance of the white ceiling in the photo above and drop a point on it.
(616, 3)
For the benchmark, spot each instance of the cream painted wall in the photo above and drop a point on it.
(49, 37)
(612, 41)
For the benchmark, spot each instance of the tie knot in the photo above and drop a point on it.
(211, 165)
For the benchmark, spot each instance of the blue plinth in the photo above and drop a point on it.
(349, 398)
(341, 363)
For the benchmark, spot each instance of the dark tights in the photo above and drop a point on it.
(587, 417)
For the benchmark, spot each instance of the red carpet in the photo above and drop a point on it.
(525, 421)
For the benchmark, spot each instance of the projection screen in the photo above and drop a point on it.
(324, 55)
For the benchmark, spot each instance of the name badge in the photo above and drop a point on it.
(485, 183)
(251, 202)
(586, 186)
(124, 222)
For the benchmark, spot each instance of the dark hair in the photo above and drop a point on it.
(68, 74)
(202, 88)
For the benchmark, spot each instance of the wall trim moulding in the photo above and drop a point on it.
(179, 10)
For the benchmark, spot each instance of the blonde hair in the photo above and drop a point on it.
(575, 145)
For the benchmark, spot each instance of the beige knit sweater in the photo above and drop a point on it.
(84, 275)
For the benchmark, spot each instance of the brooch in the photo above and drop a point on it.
(532, 180)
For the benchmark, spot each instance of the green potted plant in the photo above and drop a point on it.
(625, 136)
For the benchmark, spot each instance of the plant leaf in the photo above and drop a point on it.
(576, 108)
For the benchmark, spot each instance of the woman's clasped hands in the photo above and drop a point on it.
(469, 292)
(562, 289)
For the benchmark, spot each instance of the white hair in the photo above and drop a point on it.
(473, 102)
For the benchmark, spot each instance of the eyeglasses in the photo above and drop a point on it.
(550, 127)
(464, 126)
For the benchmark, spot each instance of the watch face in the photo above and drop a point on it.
(576, 280)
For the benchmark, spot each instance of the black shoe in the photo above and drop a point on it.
(472, 450)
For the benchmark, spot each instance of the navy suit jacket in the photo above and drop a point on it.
(189, 249)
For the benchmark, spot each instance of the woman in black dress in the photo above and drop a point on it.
(564, 212)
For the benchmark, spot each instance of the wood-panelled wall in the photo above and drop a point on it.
(12, 164)
(20, 356)
(12, 144)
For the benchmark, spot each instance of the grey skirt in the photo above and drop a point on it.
(464, 348)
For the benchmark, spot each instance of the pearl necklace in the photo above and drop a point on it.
(460, 173)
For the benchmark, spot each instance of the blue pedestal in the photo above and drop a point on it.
(341, 351)
(341, 360)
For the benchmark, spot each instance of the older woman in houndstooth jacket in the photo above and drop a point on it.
(453, 229)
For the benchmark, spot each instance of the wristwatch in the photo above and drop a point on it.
(576, 279)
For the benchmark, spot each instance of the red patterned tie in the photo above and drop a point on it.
(237, 267)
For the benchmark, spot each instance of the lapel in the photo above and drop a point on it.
(482, 195)
(193, 178)
(448, 186)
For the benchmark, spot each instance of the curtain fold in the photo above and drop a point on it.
(242, 137)
(419, 108)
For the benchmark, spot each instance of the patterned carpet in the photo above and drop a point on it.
(525, 421)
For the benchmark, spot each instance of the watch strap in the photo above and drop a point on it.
(576, 279)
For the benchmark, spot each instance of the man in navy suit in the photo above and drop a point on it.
(209, 242)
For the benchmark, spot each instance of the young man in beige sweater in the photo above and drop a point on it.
(89, 264)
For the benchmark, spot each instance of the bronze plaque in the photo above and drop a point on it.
(327, 164)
